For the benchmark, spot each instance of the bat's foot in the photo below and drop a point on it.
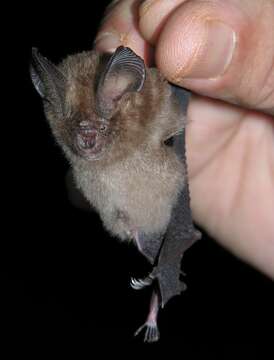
(152, 333)
(138, 284)
(150, 326)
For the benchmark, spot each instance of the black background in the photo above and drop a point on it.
(64, 280)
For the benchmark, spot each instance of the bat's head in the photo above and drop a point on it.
(82, 97)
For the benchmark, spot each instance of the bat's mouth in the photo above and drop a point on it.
(88, 143)
(86, 138)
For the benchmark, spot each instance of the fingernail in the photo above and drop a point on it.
(215, 53)
(107, 41)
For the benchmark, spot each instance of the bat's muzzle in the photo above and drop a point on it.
(89, 144)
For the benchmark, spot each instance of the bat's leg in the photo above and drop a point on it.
(151, 328)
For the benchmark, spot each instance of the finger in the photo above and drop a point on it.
(232, 179)
(120, 27)
(151, 26)
(218, 48)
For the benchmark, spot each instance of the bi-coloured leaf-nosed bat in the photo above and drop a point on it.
(121, 126)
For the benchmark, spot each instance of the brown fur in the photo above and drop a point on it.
(135, 183)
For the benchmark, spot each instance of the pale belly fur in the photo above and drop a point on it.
(132, 195)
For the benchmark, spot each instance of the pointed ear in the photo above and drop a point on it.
(48, 80)
(125, 72)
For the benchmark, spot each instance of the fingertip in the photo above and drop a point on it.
(221, 50)
(120, 27)
(153, 16)
(107, 41)
(197, 42)
(200, 49)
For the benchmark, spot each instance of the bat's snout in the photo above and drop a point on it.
(89, 143)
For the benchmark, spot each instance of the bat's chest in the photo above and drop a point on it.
(136, 194)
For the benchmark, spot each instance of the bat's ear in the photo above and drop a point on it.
(48, 80)
(125, 72)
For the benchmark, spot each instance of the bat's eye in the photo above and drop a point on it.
(103, 128)
(169, 141)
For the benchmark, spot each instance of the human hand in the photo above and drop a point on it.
(223, 50)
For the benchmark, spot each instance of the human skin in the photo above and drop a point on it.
(223, 50)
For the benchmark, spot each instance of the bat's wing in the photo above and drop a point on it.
(150, 244)
(181, 233)
(179, 236)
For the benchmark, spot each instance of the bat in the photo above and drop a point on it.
(122, 128)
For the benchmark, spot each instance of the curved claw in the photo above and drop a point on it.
(138, 284)
(152, 333)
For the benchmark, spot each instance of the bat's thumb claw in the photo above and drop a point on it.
(138, 284)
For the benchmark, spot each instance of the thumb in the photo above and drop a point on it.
(217, 48)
